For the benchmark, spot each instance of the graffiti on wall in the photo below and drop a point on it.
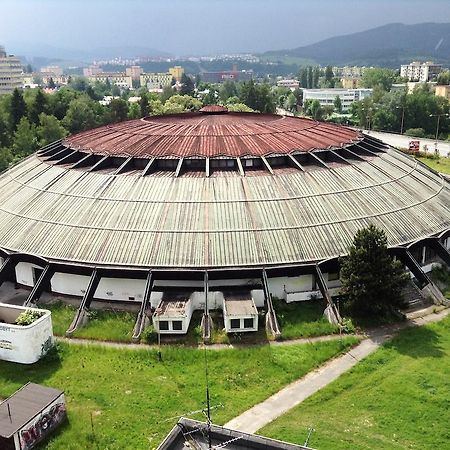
(47, 421)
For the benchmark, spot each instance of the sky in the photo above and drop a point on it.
(201, 27)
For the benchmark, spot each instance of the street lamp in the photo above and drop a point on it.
(437, 126)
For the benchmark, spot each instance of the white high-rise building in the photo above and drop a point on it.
(11, 73)
(326, 97)
(420, 71)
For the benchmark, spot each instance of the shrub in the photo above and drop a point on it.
(149, 335)
(416, 132)
(28, 317)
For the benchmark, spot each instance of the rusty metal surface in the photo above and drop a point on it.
(212, 135)
(161, 221)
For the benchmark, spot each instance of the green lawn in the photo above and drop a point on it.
(441, 165)
(303, 319)
(103, 325)
(398, 398)
(134, 399)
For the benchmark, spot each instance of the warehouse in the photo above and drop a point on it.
(210, 201)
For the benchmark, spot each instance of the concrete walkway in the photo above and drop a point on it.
(130, 346)
(292, 395)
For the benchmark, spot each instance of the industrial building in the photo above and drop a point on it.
(213, 210)
(327, 96)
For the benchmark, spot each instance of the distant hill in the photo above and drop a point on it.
(34, 50)
(389, 45)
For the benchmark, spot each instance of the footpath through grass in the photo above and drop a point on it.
(397, 398)
(135, 400)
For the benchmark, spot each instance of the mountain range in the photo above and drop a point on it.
(388, 45)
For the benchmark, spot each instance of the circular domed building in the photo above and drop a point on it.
(141, 210)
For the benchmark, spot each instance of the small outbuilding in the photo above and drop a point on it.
(29, 416)
(24, 344)
(173, 314)
(239, 312)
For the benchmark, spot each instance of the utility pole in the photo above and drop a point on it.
(437, 128)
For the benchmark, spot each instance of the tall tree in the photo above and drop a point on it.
(316, 76)
(144, 105)
(118, 109)
(338, 104)
(187, 85)
(372, 281)
(80, 116)
(310, 82)
(329, 74)
(38, 106)
(49, 129)
(18, 108)
(25, 139)
(303, 77)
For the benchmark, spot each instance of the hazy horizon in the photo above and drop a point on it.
(200, 26)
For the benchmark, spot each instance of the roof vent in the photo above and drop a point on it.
(214, 109)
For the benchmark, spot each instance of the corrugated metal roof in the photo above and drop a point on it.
(212, 134)
(159, 221)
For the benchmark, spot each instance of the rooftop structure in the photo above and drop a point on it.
(29, 415)
(11, 76)
(190, 434)
(211, 200)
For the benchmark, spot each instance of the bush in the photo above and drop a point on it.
(149, 335)
(416, 132)
(28, 317)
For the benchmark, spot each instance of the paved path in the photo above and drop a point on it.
(130, 346)
(290, 396)
(402, 141)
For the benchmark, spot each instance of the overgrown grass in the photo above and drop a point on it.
(441, 164)
(134, 399)
(303, 319)
(108, 325)
(103, 325)
(398, 398)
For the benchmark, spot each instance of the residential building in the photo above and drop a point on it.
(92, 71)
(420, 71)
(442, 91)
(11, 73)
(290, 84)
(52, 70)
(227, 75)
(351, 82)
(119, 79)
(176, 72)
(155, 81)
(327, 97)
(134, 72)
(349, 71)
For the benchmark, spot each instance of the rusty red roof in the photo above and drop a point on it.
(212, 135)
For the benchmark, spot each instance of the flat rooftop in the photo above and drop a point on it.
(172, 305)
(24, 405)
(190, 434)
(240, 304)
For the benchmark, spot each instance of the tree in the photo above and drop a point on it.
(181, 103)
(303, 77)
(115, 91)
(167, 92)
(187, 85)
(25, 139)
(38, 106)
(239, 107)
(18, 108)
(49, 129)
(257, 97)
(227, 90)
(134, 111)
(144, 105)
(372, 282)
(316, 76)
(5, 158)
(51, 83)
(444, 78)
(338, 104)
(315, 110)
(378, 77)
(118, 109)
(80, 115)
(329, 74)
